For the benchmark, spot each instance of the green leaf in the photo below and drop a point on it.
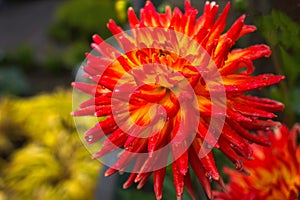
(274, 93)
(289, 30)
(278, 28)
(296, 100)
(290, 66)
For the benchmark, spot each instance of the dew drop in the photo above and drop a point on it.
(238, 165)
(208, 146)
(209, 177)
(129, 147)
(90, 138)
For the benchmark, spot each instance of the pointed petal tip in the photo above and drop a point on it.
(158, 197)
(130, 9)
(222, 185)
(110, 171)
(228, 4)
(139, 186)
(137, 179)
(209, 195)
(242, 18)
(187, 4)
(125, 186)
(282, 77)
(179, 197)
(148, 3)
(110, 21)
(97, 39)
(121, 172)
(251, 28)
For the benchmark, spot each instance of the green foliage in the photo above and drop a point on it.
(75, 23)
(22, 56)
(283, 36)
(13, 81)
(75, 54)
(54, 63)
(279, 29)
(240, 5)
(77, 20)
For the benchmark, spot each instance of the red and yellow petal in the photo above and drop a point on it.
(115, 76)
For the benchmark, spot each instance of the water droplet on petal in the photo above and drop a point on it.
(208, 146)
(90, 138)
(209, 177)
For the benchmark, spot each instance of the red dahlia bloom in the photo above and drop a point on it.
(158, 95)
(274, 172)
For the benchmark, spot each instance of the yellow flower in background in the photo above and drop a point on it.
(11, 134)
(44, 115)
(51, 162)
(121, 10)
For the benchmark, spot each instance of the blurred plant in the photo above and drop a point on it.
(240, 5)
(54, 62)
(74, 54)
(76, 21)
(19, 85)
(53, 108)
(274, 172)
(283, 36)
(22, 56)
(52, 163)
(12, 135)
(121, 7)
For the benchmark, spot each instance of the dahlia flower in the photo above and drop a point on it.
(169, 90)
(274, 172)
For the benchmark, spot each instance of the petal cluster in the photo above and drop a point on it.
(274, 172)
(247, 117)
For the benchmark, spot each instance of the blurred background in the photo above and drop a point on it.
(42, 44)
